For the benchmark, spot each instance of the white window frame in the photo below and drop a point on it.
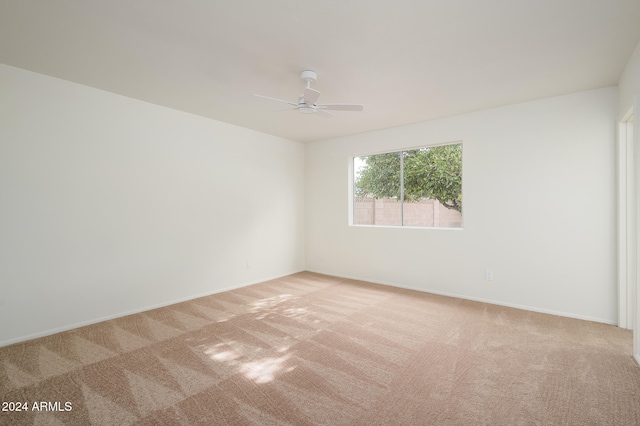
(350, 187)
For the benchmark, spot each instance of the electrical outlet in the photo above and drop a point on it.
(248, 264)
(488, 275)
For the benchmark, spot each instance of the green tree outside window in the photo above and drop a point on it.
(434, 173)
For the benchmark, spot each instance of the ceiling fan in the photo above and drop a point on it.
(307, 101)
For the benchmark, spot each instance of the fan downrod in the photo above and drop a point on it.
(308, 76)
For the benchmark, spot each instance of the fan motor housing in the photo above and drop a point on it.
(307, 109)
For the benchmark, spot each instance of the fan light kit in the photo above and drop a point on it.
(307, 101)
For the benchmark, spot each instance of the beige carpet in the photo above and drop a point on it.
(310, 349)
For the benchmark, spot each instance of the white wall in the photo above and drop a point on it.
(629, 84)
(109, 205)
(539, 209)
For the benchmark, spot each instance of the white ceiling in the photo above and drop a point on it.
(404, 60)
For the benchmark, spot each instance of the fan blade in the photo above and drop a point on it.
(342, 107)
(311, 96)
(274, 99)
(325, 114)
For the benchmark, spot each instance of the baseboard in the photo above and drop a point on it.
(637, 358)
(477, 299)
(51, 331)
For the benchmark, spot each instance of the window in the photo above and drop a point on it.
(417, 187)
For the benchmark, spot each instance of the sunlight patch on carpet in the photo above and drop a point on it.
(265, 370)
